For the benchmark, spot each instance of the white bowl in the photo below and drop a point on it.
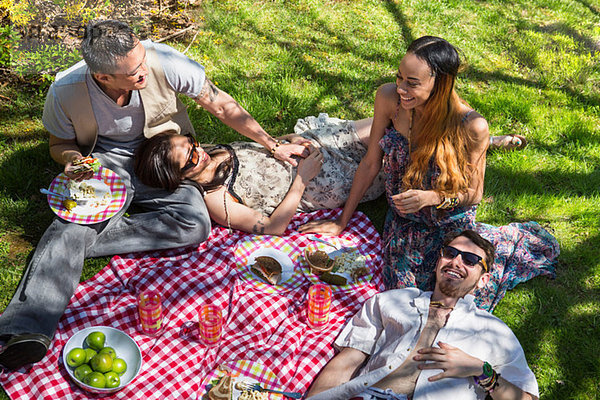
(125, 347)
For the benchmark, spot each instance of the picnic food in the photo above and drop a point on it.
(87, 194)
(348, 265)
(100, 369)
(267, 268)
(95, 340)
(69, 204)
(76, 357)
(101, 363)
(81, 190)
(82, 371)
(89, 353)
(319, 261)
(119, 366)
(222, 390)
(253, 395)
(85, 164)
(95, 379)
(112, 379)
(333, 279)
(108, 350)
(349, 262)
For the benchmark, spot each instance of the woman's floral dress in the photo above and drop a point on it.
(413, 241)
(261, 182)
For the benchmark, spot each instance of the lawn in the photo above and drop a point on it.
(531, 68)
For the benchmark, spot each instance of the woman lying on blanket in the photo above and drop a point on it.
(246, 188)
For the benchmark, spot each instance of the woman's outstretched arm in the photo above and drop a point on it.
(244, 218)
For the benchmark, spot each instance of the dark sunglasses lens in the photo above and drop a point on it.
(470, 259)
(449, 252)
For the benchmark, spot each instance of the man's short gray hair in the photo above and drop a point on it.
(105, 43)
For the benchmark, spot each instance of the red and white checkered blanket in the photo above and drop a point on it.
(261, 324)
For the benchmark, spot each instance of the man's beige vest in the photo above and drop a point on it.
(162, 108)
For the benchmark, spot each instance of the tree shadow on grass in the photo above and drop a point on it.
(22, 174)
(594, 9)
(332, 84)
(558, 308)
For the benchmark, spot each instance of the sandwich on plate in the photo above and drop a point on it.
(267, 269)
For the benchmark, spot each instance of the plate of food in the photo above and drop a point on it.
(268, 263)
(225, 382)
(339, 265)
(89, 201)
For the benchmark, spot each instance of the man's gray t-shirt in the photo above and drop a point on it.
(122, 127)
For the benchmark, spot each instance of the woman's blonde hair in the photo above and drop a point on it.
(443, 138)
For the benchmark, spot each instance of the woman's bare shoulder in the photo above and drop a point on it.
(388, 92)
(476, 124)
(386, 100)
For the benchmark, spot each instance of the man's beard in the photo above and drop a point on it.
(455, 291)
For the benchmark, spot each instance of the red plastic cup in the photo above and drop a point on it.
(319, 304)
(150, 312)
(210, 323)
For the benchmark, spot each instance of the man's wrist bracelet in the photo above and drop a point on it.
(274, 148)
(489, 379)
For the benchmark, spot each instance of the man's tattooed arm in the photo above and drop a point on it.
(209, 88)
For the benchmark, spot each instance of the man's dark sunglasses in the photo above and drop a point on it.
(194, 157)
(468, 258)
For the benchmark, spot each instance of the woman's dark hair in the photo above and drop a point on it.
(155, 166)
(442, 136)
(441, 57)
(105, 43)
(483, 244)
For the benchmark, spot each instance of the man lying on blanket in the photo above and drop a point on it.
(430, 345)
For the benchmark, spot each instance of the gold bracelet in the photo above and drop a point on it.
(274, 148)
(449, 202)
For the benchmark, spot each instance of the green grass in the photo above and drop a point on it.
(532, 68)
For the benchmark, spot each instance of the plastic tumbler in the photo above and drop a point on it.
(319, 303)
(210, 322)
(150, 312)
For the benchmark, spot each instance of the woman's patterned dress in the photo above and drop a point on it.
(260, 182)
(413, 241)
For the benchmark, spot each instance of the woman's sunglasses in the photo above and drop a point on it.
(194, 157)
(469, 259)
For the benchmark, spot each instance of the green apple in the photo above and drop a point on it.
(119, 366)
(76, 357)
(112, 379)
(96, 340)
(95, 379)
(101, 363)
(89, 353)
(82, 371)
(110, 351)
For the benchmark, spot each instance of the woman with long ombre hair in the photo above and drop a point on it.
(432, 146)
